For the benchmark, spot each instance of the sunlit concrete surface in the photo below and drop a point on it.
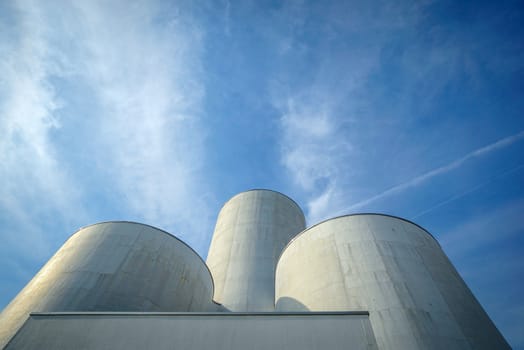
(251, 230)
(395, 270)
(119, 285)
(115, 266)
(196, 331)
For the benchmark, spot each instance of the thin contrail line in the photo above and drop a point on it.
(465, 193)
(440, 170)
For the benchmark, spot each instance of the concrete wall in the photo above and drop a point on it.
(230, 331)
(115, 266)
(251, 230)
(395, 270)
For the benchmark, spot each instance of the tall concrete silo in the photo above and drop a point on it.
(394, 269)
(251, 230)
(115, 266)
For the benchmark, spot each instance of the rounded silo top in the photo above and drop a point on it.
(262, 191)
(250, 232)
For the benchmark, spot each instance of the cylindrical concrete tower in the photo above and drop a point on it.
(251, 230)
(395, 270)
(115, 266)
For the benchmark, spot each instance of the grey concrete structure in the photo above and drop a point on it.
(115, 266)
(251, 230)
(363, 281)
(219, 331)
(394, 269)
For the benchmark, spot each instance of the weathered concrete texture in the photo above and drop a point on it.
(115, 266)
(394, 269)
(252, 229)
(195, 331)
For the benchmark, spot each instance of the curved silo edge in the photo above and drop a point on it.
(149, 226)
(352, 215)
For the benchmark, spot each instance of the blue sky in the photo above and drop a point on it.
(159, 112)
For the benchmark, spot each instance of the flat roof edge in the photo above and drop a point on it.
(134, 313)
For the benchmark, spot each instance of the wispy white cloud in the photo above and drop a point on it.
(139, 128)
(373, 98)
(99, 114)
(30, 171)
(145, 69)
(324, 117)
(312, 151)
